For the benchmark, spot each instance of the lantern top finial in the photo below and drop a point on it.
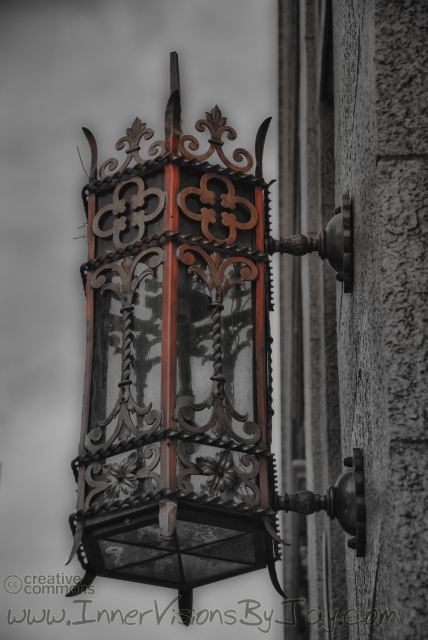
(176, 144)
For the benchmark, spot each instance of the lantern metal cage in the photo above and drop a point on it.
(175, 474)
(176, 479)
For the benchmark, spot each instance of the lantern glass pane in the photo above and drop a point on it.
(191, 535)
(118, 555)
(194, 339)
(148, 340)
(237, 329)
(197, 569)
(144, 325)
(166, 569)
(234, 344)
(149, 536)
(239, 549)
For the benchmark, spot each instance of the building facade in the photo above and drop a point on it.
(353, 104)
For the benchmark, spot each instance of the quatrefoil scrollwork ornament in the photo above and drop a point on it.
(120, 205)
(217, 126)
(208, 216)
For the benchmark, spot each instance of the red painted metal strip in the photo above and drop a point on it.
(89, 354)
(260, 348)
(260, 360)
(91, 215)
(260, 228)
(169, 331)
(172, 185)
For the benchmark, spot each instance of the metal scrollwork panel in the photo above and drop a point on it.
(218, 472)
(123, 476)
(128, 328)
(230, 327)
(134, 134)
(237, 214)
(123, 215)
(216, 124)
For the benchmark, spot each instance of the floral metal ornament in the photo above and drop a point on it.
(224, 474)
(120, 477)
(208, 216)
(125, 404)
(218, 286)
(216, 124)
(133, 136)
(119, 205)
(123, 477)
(221, 471)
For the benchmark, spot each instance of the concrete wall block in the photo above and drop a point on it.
(403, 219)
(402, 581)
(353, 35)
(401, 63)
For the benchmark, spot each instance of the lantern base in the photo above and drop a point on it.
(205, 546)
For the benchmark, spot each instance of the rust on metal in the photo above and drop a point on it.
(169, 331)
(216, 125)
(134, 134)
(228, 201)
(139, 217)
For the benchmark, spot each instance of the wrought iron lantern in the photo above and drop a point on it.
(176, 478)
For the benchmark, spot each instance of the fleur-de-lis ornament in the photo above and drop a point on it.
(217, 126)
(133, 136)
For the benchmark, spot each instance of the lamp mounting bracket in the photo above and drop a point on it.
(333, 243)
(344, 502)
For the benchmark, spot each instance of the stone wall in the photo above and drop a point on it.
(365, 353)
(381, 93)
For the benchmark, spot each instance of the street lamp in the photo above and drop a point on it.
(176, 478)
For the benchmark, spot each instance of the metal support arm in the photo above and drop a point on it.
(343, 502)
(333, 243)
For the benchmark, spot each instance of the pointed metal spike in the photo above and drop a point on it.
(174, 72)
(260, 143)
(186, 603)
(94, 154)
(173, 122)
(274, 578)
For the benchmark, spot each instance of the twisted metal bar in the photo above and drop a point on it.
(217, 308)
(127, 339)
(218, 285)
(125, 404)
